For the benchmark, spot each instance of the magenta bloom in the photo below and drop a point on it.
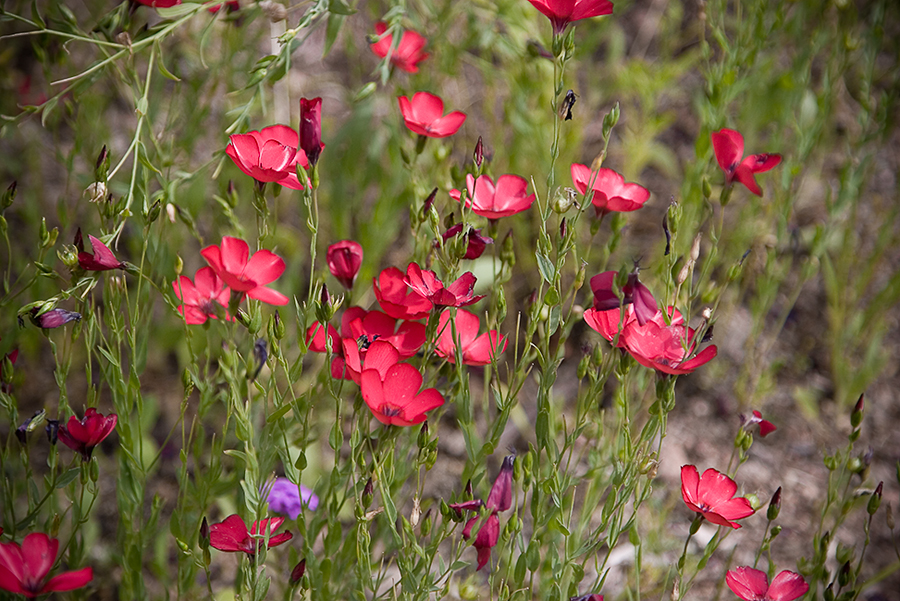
(344, 259)
(231, 534)
(508, 197)
(427, 284)
(408, 53)
(396, 298)
(499, 499)
(102, 259)
(729, 148)
(563, 12)
(55, 318)
(85, 434)
(270, 155)
(24, 570)
(753, 585)
(231, 261)
(311, 129)
(609, 192)
(201, 297)
(396, 399)
(286, 497)
(662, 347)
(424, 115)
(475, 349)
(711, 496)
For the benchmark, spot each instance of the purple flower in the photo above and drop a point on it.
(285, 497)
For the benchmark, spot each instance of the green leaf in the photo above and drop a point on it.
(279, 413)
(178, 10)
(162, 65)
(335, 21)
(340, 7)
(545, 266)
(68, 477)
(46, 109)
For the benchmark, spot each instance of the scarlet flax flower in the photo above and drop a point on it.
(608, 190)
(269, 155)
(396, 398)
(24, 569)
(231, 534)
(499, 499)
(711, 496)
(459, 293)
(475, 349)
(366, 327)
(85, 434)
(344, 259)
(729, 148)
(424, 115)
(753, 585)
(765, 426)
(102, 259)
(508, 197)
(563, 12)
(408, 53)
(311, 129)
(396, 298)
(201, 297)
(668, 349)
(231, 261)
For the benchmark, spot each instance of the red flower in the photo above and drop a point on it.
(270, 155)
(475, 349)
(753, 585)
(563, 12)
(23, 570)
(396, 298)
(711, 496)
(408, 53)
(499, 499)
(311, 128)
(609, 190)
(606, 323)
(396, 399)
(102, 258)
(729, 148)
(765, 426)
(85, 434)
(475, 242)
(344, 259)
(427, 284)
(231, 534)
(665, 348)
(508, 197)
(634, 292)
(365, 327)
(199, 297)
(231, 261)
(424, 115)
(358, 356)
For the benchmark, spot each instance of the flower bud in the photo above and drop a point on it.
(368, 493)
(706, 187)
(101, 167)
(478, 155)
(583, 366)
(299, 569)
(844, 575)
(610, 120)
(776, 530)
(858, 409)
(429, 202)
(52, 429)
(875, 499)
(8, 196)
(695, 247)
(774, 505)
(204, 533)
(365, 91)
(828, 594)
(153, 212)
(311, 129)
(684, 273)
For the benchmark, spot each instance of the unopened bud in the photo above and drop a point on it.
(844, 575)
(422, 439)
(858, 409)
(695, 248)
(684, 273)
(706, 187)
(8, 196)
(429, 202)
(153, 212)
(563, 230)
(101, 167)
(368, 493)
(875, 499)
(204, 533)
(299, 569)
(478, 155)
(774, 505)
(610, 120)
(583, 366)
(507, 249)
(776, 530)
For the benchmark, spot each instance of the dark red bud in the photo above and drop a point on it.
(298, 571)
(478, 155)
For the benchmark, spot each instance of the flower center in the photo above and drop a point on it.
(390, 411)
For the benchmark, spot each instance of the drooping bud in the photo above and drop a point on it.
(30, 425)
(55, 318)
